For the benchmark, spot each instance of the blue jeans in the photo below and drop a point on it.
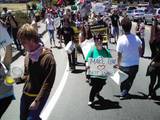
(115, 32)
(127, 84)
(25, 113)
(51, 36)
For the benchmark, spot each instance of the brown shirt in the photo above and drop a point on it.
(40, 75)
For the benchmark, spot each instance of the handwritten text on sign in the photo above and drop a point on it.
(101, 66)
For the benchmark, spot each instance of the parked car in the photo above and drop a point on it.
(122, 8)
(148, 17)
(138, 14)
(135, 14)
(130, 14)
(131, 8)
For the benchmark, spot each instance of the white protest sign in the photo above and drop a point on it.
(86, 46)
(101, 66)
(85, 9)
(98, 8)
(4, 37)
(119, 76)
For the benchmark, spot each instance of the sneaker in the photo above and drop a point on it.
(124, 97)
(90, 103)
(152, 95)
(149, 97)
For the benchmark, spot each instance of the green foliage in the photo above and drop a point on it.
(54, 2)
(32, 3)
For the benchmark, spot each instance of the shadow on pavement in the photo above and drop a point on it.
(80, 64)
(105, 104)
(134, 96)
(41, 34)
(157, 98)
(17, 55)
(158, 103)
(146, 57)
(76, 71)
(58, 47)
(146, 96)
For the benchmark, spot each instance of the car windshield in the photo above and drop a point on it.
(139, 11)
(131, 8)
(149, 12)
(130, 11)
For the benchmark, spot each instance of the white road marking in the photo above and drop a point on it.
(51, 104)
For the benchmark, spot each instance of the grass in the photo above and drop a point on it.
(13, 6)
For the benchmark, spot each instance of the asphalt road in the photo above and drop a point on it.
(69, 96)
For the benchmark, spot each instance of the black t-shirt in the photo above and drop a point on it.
(68, 34)
(115, 19)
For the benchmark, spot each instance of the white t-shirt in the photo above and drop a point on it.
(128, 46)
(50, 24)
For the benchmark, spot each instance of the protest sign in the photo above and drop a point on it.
(86, 46)
(70, 47)
(119, 76)
(4, 37)
(85, 9)
(98, 8)
(101, 66)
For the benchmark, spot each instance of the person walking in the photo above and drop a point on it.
(129, 48)
(140, 32)
(13, 29)
(67, 33)
(155, 56)
(155, 38)
(115, 25)
(39, 74)
(86, 40)
(50, 28)
(97, 82)
(154, 76)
